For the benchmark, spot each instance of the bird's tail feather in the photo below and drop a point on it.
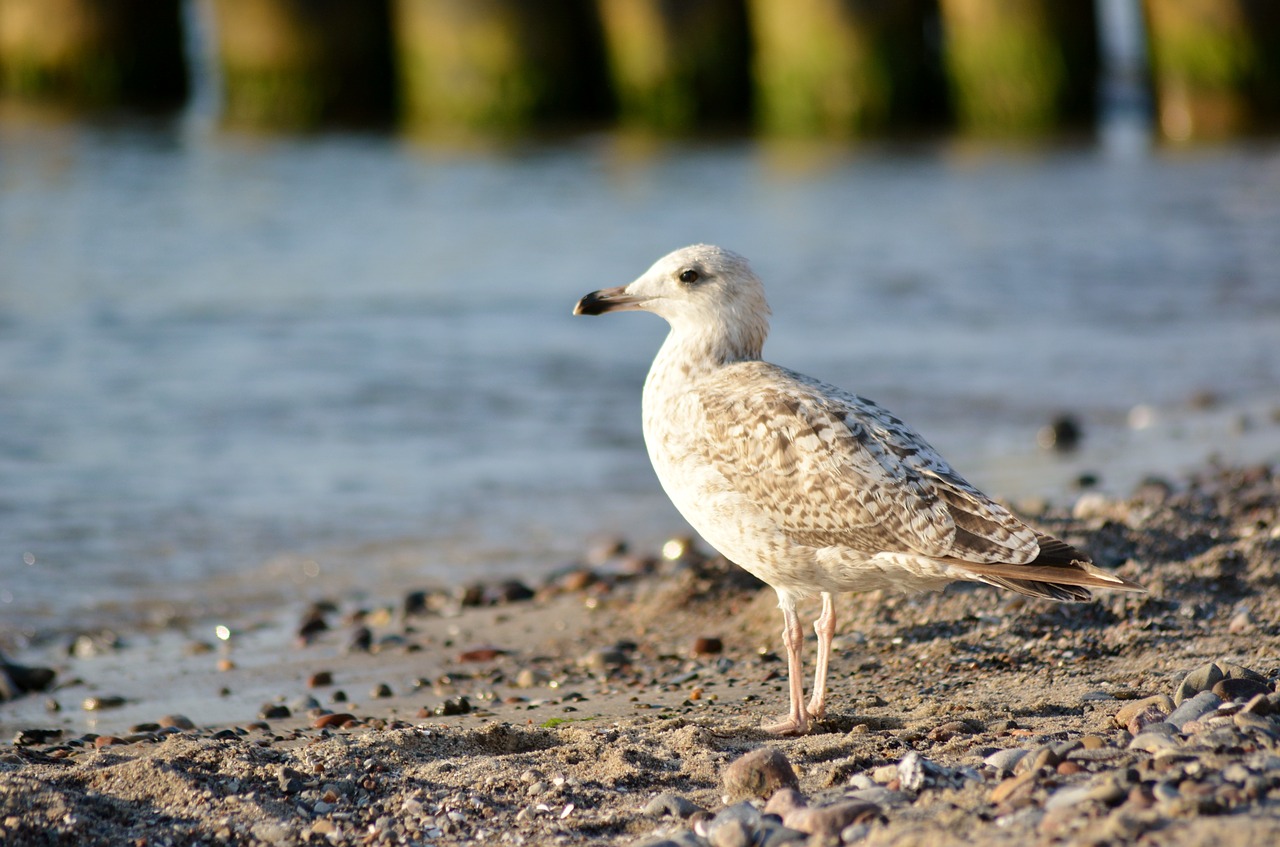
(1059, 572)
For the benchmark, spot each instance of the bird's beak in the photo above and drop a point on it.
(607, 300)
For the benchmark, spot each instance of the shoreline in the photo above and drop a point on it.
(586, 702)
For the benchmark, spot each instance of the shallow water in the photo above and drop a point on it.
(215, 350)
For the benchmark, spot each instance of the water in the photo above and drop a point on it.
(228, 360)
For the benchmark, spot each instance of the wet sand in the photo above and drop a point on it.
(610, 707)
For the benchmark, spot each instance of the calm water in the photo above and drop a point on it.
(218, 350)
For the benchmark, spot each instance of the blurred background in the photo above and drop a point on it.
(285, 284)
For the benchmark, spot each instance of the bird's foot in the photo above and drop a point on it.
(793, 725)
(817, 708)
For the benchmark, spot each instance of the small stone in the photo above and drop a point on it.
(1259, 705)
(1153, 742)
(32, 737)
(731, 833)
(319, 679)
(1062, 434)
(1004, 761)
(1240, 689)
(1013, 788)
(601, 662)
(273, 711)
(97, 704)
(177, 722)
(336, 719)
(759, 774)
(825, 821)
(507, 591)
(361, 640)
(481, 654)
(381, 691)
(106, 741)
(1071, 795)
(1151, 715)
(1126, 713)
(454, 706)
(670, 804)
(1202, 678)
(707, 646)
(1196, 706)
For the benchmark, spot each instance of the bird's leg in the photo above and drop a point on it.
(797, 722)
(825, 627)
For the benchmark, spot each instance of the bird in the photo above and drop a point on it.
(812, 489)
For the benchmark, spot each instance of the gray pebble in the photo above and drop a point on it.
(1191, 709)
(731, 832)
(671, 804)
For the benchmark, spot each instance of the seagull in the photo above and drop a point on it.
(810, 488)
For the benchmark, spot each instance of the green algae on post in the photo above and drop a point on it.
(299, 64)
(1020, 66)
(93, 52)
(677, 65)
(839, 68)
(1216, 66)
(495, 65)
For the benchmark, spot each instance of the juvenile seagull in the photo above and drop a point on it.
(810, 488)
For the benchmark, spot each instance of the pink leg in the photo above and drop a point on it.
(825, 627)
(797, 722)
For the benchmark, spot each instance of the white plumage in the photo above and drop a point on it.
(810, 488)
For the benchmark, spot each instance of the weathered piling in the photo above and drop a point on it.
(1021, 66)
(496, 66)
(1216, 66)
(675, 64)
(841, 67)
(93, 52)
(298, 64)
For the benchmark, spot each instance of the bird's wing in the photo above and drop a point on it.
(834, 469)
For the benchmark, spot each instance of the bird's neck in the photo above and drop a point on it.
(692, 352)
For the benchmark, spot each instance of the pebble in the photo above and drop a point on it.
(273, 711)
(319, 679)
(381, 691)
(177, 722)
(454, 706)
(915, 773)
(1126, 713)
(825, 821)
(707, 646)
(336, 719)
(670, 804)
(481, 654)
(97, 704)
(1195, 707)
(1014, 787)
(758, 774)
(1005, 760)
(1240, 689)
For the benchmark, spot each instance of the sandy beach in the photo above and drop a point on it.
(613, 703)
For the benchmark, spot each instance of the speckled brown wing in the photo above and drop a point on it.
(833, 469)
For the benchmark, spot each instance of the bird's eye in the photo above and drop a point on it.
(688, 276)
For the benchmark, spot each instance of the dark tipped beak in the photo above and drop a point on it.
(606, 300)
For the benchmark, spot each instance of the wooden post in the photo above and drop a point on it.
(677, 65)
(93, 52)
(298, 64)
(1216, 65)
(841, 67)
(496, 66)
(1021, 66)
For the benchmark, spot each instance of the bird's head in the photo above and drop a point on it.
(700, 290)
